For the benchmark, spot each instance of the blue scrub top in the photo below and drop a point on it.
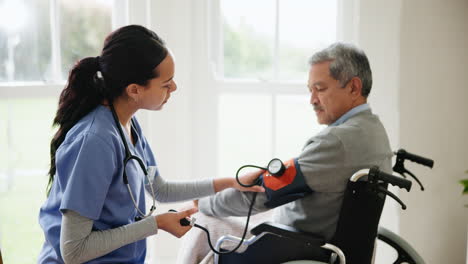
(89, 180)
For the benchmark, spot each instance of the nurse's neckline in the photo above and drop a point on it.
(130, 131)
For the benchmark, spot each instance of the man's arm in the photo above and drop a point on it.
(232, 203)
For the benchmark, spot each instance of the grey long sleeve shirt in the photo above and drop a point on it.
(78, 243)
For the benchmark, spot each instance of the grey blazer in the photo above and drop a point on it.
(327, 161)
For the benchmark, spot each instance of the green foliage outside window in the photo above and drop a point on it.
(246, 53)
(83, 32)
(83, 26)
(249, 54)
(29, 49)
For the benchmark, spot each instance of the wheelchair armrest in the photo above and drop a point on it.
(288, 232)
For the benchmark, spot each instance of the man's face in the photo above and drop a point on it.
(329, 99)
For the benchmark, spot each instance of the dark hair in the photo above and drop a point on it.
(347, 61)
(130, 55)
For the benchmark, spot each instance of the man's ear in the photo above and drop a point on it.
(356, 86)
(133, 91)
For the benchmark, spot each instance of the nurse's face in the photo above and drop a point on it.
(158, 90)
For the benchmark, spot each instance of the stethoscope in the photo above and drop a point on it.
(128, 157)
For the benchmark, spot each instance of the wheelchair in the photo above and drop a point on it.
(356, 233)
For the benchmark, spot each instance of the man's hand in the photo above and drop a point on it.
(247, 179)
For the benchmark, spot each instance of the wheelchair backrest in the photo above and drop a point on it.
(358, 222)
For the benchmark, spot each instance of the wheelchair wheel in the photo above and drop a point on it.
(406, 253)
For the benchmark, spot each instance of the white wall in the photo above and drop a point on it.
(378, 36)
(433, 122)
(170, 131)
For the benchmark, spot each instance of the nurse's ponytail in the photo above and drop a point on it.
(78, 98)
(130, 55)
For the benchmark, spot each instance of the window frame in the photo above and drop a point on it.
(273, 87)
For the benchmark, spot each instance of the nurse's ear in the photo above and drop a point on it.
(134, 92)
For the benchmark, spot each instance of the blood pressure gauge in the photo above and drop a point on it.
(276, 167)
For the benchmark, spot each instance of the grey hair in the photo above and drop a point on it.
(347, 61)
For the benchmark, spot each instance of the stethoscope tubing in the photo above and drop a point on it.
(128, 157)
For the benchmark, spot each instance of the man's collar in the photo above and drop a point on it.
(350, 113)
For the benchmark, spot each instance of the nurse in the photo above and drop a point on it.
(95, 210)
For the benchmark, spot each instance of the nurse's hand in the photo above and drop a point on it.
(170, 222)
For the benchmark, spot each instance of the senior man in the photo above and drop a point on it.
(340, 81)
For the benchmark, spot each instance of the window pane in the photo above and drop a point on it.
(244, 132)
(84, 25)
(305, 26)
(248, 38)
(25, 134)
(296, 122)
(25, 42)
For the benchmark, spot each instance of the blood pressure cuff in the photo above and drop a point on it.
(285, 188)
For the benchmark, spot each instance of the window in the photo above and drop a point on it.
(39, 42)
(25, 40)
(24, 136)
(274, 45)
(260, 50)
(83, 31)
